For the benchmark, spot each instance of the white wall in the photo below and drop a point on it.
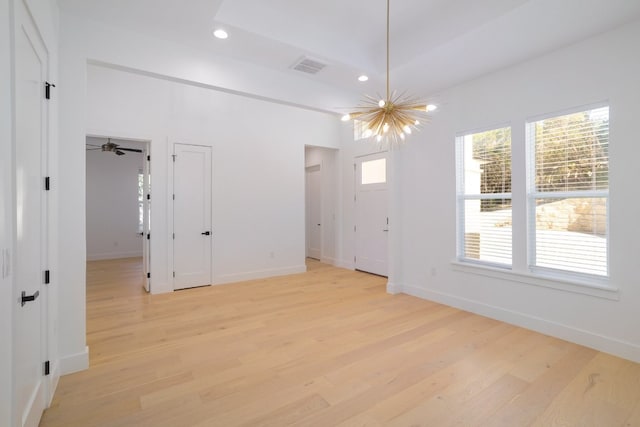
(604, 68)
(258, 156)
(112, 204)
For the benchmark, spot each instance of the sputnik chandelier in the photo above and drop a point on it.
(393, 118)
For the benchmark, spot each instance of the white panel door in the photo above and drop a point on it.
(30, 151)
(314, 212)
(371, 214)
(192, 239)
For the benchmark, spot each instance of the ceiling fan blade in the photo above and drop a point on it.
(93, 145)
(119, 153)
(135, 150)
(93, 149)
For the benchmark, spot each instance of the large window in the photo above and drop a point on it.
(484, 196)
(568, 188)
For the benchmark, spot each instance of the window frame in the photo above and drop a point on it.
(461, 198)
(520, 272)
(532, 196)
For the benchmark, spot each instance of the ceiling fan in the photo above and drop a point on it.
(112, 147)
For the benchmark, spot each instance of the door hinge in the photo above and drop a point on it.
(47, 367)
(174, 157)
(47, 183)
(174, 197)
(174, 236)
(174, 274)
(149, 196)
(47, 89)
(46, 277)
(354, 259)
(148, 158)
(354, 228)
(148, 275)
(148, 236)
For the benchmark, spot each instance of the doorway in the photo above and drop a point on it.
(371, 213)
(118, 200)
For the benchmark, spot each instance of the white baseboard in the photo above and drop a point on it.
(259, 274)
(583, 337)
(74, 362)
(113, 255)
(328, 260)
(344, 264)
(394, 288)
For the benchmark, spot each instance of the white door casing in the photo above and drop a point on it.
(146, 219)
(371, 213)
(30, 296)
(314, 211)
(192, 233)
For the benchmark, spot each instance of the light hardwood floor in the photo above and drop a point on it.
(325, 348)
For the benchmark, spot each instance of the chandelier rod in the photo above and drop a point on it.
(387, 50)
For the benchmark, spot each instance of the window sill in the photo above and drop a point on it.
(600, 289)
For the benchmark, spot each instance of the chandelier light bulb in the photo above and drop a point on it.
(417, 122)
(381, 103)
(407, 129)
(385, 128)
(367, 133)
(363, 78)
(220, 34)
(431, 107)
(402, 136)
(346, 117)
(379, 138)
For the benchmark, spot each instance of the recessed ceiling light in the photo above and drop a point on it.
(363, 78)
(221, 34)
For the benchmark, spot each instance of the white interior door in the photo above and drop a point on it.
(29, 342)
(192, 239)
(146, 219)
(371, 214)
(314, 212)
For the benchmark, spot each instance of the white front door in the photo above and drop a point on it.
(314, 212)
(192, 239)
(371, 217)
(29, 340)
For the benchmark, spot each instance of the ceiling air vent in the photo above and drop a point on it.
(308, 65)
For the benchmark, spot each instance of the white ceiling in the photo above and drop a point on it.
(434, 43)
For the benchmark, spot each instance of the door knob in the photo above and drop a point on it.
(206, 233)
(27, 298)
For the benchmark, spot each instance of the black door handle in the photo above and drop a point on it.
(206, 233)
(27, 298)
